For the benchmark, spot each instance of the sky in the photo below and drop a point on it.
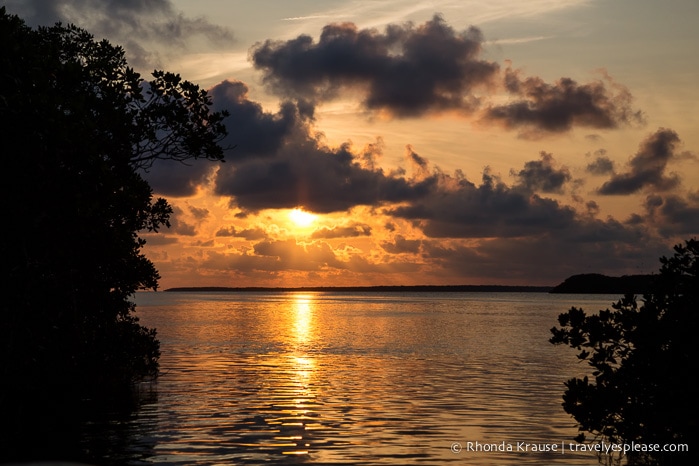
(420, 142)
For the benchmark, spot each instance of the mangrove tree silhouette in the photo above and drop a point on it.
(77, 127)
(644, 359)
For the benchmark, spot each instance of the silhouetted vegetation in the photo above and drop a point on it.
(645, 361)
(595, 283)
(77, 126)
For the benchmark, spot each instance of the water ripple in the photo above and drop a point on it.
(328, 379)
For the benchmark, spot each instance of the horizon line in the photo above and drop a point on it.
(514, 288)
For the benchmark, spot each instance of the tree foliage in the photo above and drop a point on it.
(644, 358)
(77, 126)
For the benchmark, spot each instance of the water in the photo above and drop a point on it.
(355, 378)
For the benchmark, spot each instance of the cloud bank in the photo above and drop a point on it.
(435, 224)
(405, 71)
(411, 71)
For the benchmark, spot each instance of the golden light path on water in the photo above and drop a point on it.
(328, 378)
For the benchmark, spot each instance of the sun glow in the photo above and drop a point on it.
(301, 218)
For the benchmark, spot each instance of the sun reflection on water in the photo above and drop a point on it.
(303, 317)
(298, 416)
(290, 378)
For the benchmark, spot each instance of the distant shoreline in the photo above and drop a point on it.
(370, 289)
(577, 284)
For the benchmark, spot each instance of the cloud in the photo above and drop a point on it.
(602, 165)
(593, 137)
(295, 256)
(178, 225)
(158, 239)
(674, 215)
(273, 257)
(130, 23)
(542, 108)
(280, 163)
(348, 231)
(249, 234)
(252, 131)
(460, 209)
(405, 71)
(542, 175)
(176, 179)
(152, 20)
(401, 245)
(544, 259)
(318, 178)
(592, 208)
(199, 213)
(647, 167)
(410, 71)
(419, 164)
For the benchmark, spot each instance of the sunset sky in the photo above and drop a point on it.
(405, 142)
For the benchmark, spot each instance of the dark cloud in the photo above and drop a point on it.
(592, 208)
(674, 215)
(199, 213)
(420, 165)
(252, 131)
(555, 108)
(647, 167)
(178, 225)
(315, 177)
(158, 239)
(280, 163)
(593, 137)
(405, 71)
(126, 22)
(401, 245)
(408, 71)
(152, 20)
(547, 258)
(602, 165)
(205, 244)
(542, 175)
(460, 209)
(348, 231)
(420, 162)
(176, 179)
(247, 233)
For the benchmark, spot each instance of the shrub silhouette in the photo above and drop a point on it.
(644, 360)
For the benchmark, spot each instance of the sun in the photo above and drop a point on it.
(301, 218)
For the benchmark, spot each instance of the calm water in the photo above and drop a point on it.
(355, 378)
